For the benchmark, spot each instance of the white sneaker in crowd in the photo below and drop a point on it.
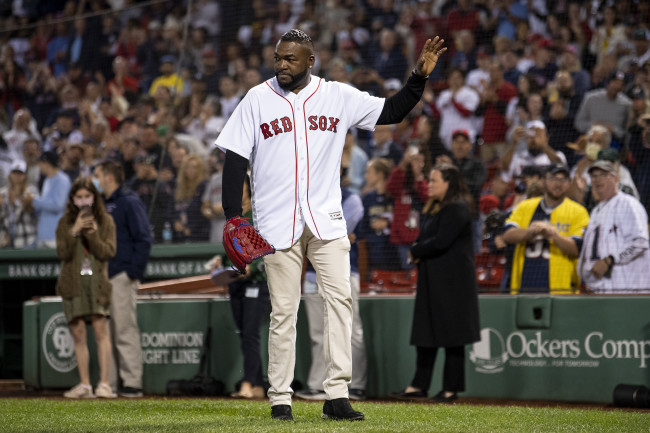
(103, 390)
(80, 391)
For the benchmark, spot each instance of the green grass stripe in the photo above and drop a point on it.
(218, 415)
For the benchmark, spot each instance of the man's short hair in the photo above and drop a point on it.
(296, 35)
(113, 168)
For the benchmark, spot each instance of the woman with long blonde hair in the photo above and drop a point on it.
(189, 223)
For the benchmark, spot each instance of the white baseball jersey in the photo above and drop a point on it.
(452, 118)
(617, 227)
(294, 144)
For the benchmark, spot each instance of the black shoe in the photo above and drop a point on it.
(129, 392)
(440, 398)
(357, 394)
(340, 409)
(281, 412)
(413, 395)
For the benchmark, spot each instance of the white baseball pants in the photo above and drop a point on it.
(331, 259)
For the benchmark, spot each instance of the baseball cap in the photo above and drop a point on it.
(168, 58)
(208, 52)
(18, 165)
(463, 132)
(50, 157)
(536, 124)
(392, 84)
(482, 52)
(146, 159)
(640, 34)
(617, 75)
(571, 49)
(558, 167)
(604, 165)
(608, 154)
(532, 170)
(636, 92)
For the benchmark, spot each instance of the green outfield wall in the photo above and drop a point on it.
(565, 348)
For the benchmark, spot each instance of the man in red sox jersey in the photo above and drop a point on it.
(291, 129)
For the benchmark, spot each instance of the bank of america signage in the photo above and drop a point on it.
(532, 349)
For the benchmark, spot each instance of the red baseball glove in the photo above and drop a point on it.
(243, 243)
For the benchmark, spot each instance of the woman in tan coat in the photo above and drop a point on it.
(85, 241)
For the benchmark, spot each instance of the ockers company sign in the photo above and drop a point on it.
(518, 349)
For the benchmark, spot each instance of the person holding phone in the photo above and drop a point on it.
(85, 242)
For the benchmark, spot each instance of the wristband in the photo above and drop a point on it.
(418, 75)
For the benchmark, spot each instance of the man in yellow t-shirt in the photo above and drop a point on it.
(169, 77)
(548, 233)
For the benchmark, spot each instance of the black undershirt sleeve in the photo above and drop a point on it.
(234, 173)
(401, 103)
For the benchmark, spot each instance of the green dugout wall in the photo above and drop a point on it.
(565, 348)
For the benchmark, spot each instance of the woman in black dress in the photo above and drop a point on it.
(446, 302)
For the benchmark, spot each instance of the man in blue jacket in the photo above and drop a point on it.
(125, 270)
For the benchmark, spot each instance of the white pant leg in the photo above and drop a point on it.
(359, 360)
(331, 259)
(125, 334)
(314, 307)
(283, 270)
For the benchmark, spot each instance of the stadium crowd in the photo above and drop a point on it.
(524, 85)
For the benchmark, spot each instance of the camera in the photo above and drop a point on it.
(495, 221)
(85, 210)
(632, 396)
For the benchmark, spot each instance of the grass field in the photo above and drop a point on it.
(221, 415)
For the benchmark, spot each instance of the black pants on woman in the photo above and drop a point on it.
(250, 305)
(453, 376)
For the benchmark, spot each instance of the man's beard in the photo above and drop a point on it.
(295, 80)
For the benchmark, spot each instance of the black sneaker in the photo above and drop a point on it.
(440, 398)
(340, 409)
(357, 394)
(281, 412)
(129, 392)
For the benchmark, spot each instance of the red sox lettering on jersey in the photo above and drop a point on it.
(294, 144)
(323, 123)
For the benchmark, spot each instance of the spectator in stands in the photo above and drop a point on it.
(464, 57)
(389, 62)
(41, 92)
(408, 186)
(563, 105)
(545, 67)
(446, 301)
(23, 126)
(122, 83)
(149, 141)
(85, 242)
(211, 208)
(31, 156)
(511, 72)
(168, 77)
(570, 61)
(18, 226)
(537, 152)
(609, 35)
(383, 146)
(608, 107)
(207, 123)
(548, 233)
(353, 163)
(125, 271)
(375, 227)
(189, 223)
(597, 147)
(615, 257)
(494, 100)
(155, 196)
(456, 106)
(230, 96)
(63, 132)
(50, 205)
(639, 146)
(473, 171)
(528, 109)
